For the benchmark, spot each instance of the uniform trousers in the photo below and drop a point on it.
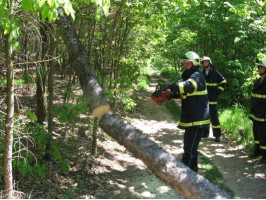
(216, 129)
(259, 133)
(192, 139)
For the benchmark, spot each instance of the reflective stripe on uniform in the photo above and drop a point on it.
(224, 81)
(257, 119)
(181, 90)
(216, 126)
(257, 142)
(194, 83)
(263, 147)
(258, 96)
(213, 102)
(194, 123)
(221, 88)
(212, 84)
(204, 92)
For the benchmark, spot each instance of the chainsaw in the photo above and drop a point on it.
(161, 94)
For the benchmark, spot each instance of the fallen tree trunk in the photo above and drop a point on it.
(163, 164)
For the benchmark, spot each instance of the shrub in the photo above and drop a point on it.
(235, 122)
(143, 83)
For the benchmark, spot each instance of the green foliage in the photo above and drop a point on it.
(143, 82)
(30, 148)
(171, 74)
(129, 104)
(70, 112)
(27, 77)
(31, 116)
(17, 82)
(236, 124)
(231, 33)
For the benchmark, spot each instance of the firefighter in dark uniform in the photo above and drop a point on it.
(215, 85)
(258, 112)
(194, 109)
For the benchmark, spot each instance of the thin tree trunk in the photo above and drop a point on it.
(8, 176)
(51, 94)
(94, 137)
(41, 77)
(69, 85)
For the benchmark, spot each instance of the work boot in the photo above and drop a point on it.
(256, 153)
(217, 139)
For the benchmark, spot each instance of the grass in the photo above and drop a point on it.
(16, 82)
(237, 125)
(212, 173)
(174, 109)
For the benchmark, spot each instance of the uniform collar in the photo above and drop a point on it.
(187, 73)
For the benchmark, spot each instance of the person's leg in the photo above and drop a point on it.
(215, 122)
(192, 138)
(206, 133)
(256, 151)
(262, 140)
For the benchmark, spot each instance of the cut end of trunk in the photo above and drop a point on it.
(100, 111)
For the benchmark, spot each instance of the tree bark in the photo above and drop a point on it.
(92, 90)
(41, 76)
(51, 94)
(162, 163)
(8, 176)
(94, 137)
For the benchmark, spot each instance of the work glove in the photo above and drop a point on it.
(162, 86)
(174, 88)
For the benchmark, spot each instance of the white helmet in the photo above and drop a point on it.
(262, 63)
(191, 56)
(206, 58)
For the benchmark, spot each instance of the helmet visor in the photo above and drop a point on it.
(185, 60)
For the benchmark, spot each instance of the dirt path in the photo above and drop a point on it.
(115, 174)
(244, 176)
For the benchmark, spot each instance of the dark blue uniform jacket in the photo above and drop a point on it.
(193, 92)
(258, 101)
(215, 84)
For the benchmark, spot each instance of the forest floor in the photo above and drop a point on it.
(115, 173)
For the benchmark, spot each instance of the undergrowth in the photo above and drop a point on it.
(237, 125)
